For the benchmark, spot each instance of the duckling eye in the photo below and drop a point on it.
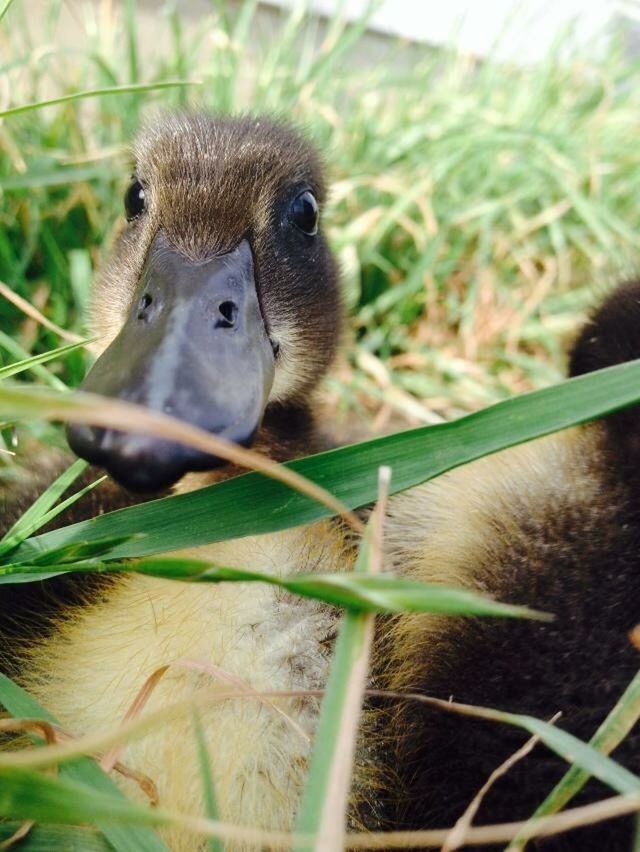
(134, 200)
(304, 213)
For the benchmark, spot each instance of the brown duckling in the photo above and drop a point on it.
(220, 304)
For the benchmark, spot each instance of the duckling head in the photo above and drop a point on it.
(221, 295)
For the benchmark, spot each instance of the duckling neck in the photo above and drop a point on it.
(290, 431)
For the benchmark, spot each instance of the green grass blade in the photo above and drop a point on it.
(98, 93)
(130, 9)
(348, 646)
(59, 176)
(579, 753)
(208, 787)
(84, 773)
(39, 370)
(360, 593)
(10, 543)
(69, 501)
(242, 25)
(32, 519)
(340, 40)
(25, 794)
(381, 593)
(611, 732)
(81, 550)
(4, 8)
(564, 744)
(34, 360)
(352, 649)
(227, 510)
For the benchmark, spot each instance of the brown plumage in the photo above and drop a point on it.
(554, 524)
(211, 183)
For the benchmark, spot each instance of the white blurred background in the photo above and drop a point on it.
(514, 30)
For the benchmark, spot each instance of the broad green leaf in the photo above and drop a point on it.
(94, 410)
(84, 771)
(228, 510)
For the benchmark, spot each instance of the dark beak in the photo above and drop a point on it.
(194, 346)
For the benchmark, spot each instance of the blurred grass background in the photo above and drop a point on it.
(476, 208)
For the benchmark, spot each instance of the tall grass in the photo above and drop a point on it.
(472, 205)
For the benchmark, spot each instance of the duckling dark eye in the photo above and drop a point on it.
(134, 201)
(304, 213)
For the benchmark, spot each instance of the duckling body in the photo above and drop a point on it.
(214, 640)
(554, 524)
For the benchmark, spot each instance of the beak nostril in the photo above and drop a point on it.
(144, 305)
(228, 314)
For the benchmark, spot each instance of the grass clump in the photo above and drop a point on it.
(473, 206)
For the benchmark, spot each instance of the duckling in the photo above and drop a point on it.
(220, 304)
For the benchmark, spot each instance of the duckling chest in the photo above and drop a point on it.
(241, 638)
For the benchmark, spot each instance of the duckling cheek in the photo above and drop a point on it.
(194, 345)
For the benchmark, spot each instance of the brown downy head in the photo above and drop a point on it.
(221, 296)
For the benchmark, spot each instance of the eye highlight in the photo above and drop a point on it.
(134, 200)
(303, 213)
